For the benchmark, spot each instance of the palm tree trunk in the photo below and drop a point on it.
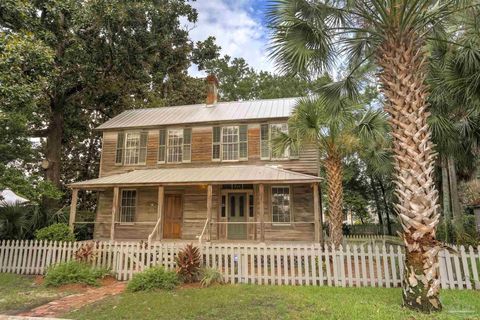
(333, 168)
(386, 206)
(456, 207)
(403, 62)
(377, 203)
(446, 197)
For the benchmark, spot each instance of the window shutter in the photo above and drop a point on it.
(187, 145)
(243, 137)
(264, 142)
(216, 139)
(120, 148)
(143, 147)
(162, 138)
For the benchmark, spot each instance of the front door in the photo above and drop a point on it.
(173, 216)
(237, 213)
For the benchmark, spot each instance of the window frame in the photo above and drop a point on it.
(124, 148)
(239, 143)
(269, 142)
(166, 146)
(120, 211)
(290, 205)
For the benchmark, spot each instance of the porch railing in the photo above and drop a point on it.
(155, 229)
(200, 237)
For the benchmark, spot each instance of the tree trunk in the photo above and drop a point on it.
(333, 168)
(387, 207)
(456, 207)
(377, 203)
(403, 61)
(446, 197)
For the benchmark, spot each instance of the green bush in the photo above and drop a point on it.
(470, 236)
(55, 232)
(74, 272)
(153, 278)
(210, 276)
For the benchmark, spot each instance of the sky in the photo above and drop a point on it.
(239, 28)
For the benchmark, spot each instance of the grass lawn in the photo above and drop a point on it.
(18, 293)
(272, 302)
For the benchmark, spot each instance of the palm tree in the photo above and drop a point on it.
(14, 222)
(393, 35)
(337, 128)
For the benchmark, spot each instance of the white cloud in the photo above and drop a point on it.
(236, 30)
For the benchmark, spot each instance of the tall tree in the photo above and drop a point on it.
(101, 57)
(337, 127)
(307, 36)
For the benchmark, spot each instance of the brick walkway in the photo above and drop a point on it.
(69, 303)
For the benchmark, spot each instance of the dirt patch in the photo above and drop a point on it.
(107, 281)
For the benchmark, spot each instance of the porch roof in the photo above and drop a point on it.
(199, 175)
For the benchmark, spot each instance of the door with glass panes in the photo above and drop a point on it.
(237, 216)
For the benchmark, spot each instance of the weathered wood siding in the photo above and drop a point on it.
(202, 153)
(195, 213)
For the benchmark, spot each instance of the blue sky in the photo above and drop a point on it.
(238, 26)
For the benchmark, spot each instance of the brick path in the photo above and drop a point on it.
(69, 303)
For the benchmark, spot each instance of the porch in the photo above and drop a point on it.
(215, 204)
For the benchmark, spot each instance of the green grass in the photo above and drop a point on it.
(269, 302)
(18, 293)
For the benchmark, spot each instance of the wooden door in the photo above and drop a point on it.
(173, 216)
(237, 212)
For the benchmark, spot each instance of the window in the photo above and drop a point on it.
(281, 204)
(175, 145)
(224, 200)
(128, 206)
(251, 206)
(131, 148)
(230, 143)
(268, 132)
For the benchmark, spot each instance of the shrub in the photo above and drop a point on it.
(210, 276)
(153, 278)
(74, 272)
(188, 263)
(55, 232)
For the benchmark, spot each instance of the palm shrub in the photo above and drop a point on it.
(210, 276)
(153, 278)
(188, 263)
(14, 221)
(393, 36)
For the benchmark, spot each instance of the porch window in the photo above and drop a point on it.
(131, 148)
(281, 204)
(268, 132)
(175, 145)
(128, 206)
(230, 143)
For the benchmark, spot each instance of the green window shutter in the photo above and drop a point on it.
(120, 148)
(264, 142)
(143, 147)
(243, 140)
(162, 138)
(187, 145)
(216, 139)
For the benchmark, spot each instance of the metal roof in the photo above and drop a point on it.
(197, 113)
(200, 175)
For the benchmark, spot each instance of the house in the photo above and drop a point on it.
(204, 171)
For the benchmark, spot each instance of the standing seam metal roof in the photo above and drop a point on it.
(198, 113)
(199, 175)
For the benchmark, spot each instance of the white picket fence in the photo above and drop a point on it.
(274, 264)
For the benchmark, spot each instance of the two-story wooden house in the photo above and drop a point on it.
(205, 170)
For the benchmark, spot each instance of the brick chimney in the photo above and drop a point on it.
(212, 91)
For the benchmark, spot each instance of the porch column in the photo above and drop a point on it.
(261, 197)
(209, 212)
(316, 211)
(116, 191)
(161, 197)
(73, 209)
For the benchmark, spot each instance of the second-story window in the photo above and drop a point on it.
(230, 143)
(131, 147)
(174, 145)
(268, 132)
